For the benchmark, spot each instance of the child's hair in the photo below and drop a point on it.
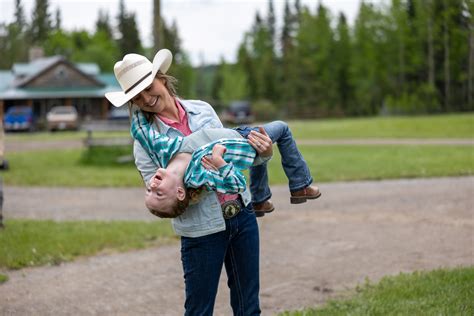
(178, 208)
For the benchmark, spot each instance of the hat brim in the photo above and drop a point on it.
(161, 62)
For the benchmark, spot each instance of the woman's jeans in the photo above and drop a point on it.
(293, 163)
(238, 248)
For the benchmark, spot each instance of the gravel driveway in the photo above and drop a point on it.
(309, 252)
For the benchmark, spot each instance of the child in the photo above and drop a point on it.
(223, 151)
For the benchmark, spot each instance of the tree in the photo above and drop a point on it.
(157, 26)
(41, 22)
(20, 19)
(57, 21)
(234, 85)
(470, 76)
(103, 24)
(129, 38)
(342, 64)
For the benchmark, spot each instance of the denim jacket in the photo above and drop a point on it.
(205, 217)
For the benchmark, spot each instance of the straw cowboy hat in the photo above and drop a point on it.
(135, 73)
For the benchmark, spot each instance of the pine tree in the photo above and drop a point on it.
(20, 19)
(103, 24)
(57, 21)
(129, 39)
(342, 63)
(41, 22)
(158, 41)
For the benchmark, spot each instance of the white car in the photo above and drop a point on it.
(62, 118)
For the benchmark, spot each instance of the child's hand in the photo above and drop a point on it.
(214, 161)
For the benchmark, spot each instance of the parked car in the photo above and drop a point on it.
(119, 114)
(19, 118)
(238, 112)
(62, 118)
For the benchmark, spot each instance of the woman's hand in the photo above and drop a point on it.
(261, 142)
(214, 161)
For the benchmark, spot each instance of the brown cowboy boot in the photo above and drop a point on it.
(308, 193)
(262, 208)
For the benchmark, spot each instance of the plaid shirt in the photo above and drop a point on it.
(239, 156)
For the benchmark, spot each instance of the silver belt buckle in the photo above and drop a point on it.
(230, 208)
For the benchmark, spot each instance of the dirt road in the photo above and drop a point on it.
(309, 252)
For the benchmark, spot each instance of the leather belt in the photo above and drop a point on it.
(231, 208)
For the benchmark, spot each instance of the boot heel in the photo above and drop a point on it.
(297, 200)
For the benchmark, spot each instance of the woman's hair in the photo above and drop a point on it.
(178, 208)
(170, 84)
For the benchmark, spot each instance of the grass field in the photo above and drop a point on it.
(432, 126)
(442, 292)
(438, 292)
(77, 167)
(30, 243)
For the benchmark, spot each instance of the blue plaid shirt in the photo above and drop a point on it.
(239, 156)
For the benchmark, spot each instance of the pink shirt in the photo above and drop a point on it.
(183, 127)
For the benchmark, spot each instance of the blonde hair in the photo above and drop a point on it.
(179, 206)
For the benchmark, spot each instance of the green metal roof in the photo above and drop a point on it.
(9, 92)
(53, 93)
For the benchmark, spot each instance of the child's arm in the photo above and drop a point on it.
(158, 145)
(222, 176)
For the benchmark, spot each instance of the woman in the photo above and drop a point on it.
(208, 241)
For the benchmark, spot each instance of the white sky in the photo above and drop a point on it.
(209, 29)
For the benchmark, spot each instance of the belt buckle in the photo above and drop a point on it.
(230, 208)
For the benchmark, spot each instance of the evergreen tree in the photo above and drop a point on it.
(20, 20)
(41, 22)
(271, 21)
(157, 26)
(342, 65)
(103, 24)
(129, 38)
(57, 22)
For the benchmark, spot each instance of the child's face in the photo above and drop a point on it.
(164, 188)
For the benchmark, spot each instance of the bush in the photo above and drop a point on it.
(264, 110)
(423, 100)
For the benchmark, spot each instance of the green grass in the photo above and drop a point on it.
(427, 126)
(68, 168)
(439, 292)
(31, 243)
(78, 168)
(65, 135)
(433, 126)
(3, 278)
(347, 163)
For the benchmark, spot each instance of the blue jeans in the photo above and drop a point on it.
(238, 248)
(293, 163)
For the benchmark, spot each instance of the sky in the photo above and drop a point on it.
(209, 29)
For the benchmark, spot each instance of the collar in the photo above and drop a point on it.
(181, 114)
(163, 127)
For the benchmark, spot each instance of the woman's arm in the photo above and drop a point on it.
(159, 146)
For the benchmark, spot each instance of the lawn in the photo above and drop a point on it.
(30, 242)
(433, 126)
(78, 167)
(438, 292)
(427, 126)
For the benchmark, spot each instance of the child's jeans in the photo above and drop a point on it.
(293, 163)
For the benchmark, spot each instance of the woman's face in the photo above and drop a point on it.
(155, 98)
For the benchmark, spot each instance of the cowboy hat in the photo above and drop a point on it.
(135, 72)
